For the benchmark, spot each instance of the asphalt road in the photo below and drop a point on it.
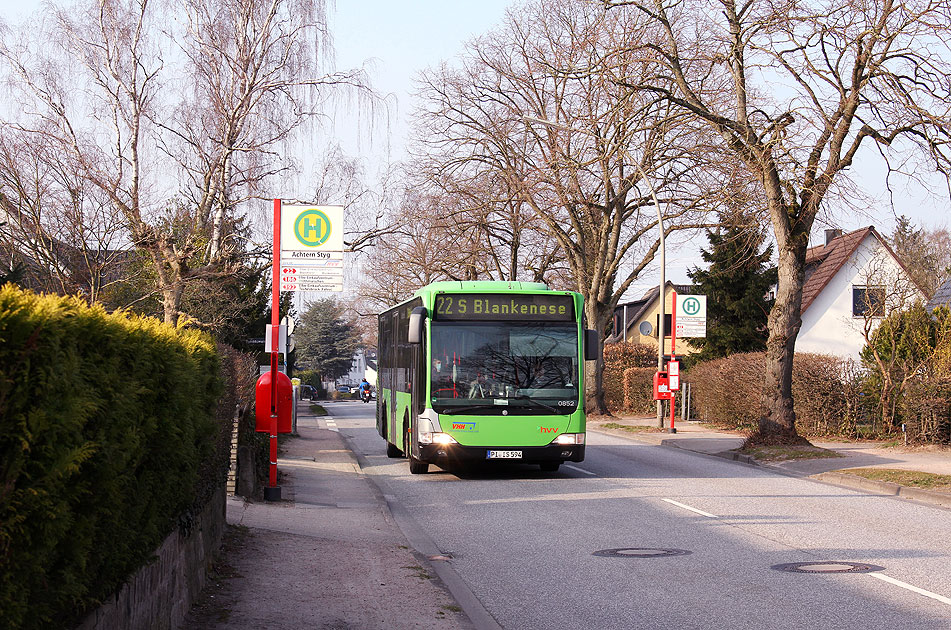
(526, 544)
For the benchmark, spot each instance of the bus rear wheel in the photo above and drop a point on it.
(416, 467)
(392, 451)
(549, 466)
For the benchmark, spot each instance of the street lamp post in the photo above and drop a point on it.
(663, 254)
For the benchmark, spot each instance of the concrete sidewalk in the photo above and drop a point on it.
(696, 437)
(329, 555)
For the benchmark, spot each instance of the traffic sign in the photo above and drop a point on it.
(692, 316)
(311, 231)
(311, 249)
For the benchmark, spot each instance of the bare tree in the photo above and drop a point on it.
(252, 80)
(527, 108)
(63, 234)
(926, 254)
(795, 90)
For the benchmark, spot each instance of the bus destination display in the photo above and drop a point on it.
(497, 306)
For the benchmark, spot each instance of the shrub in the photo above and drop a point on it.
(619, 357)
(105, 420)
(730, 392)
(638, 383)
(908, 349)
(926, 410)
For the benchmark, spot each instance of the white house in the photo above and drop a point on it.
(851, 282)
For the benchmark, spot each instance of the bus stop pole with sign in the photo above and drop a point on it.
(273, 491)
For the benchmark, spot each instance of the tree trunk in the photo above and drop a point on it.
(778, 424)
(597, 316)
(172, 301)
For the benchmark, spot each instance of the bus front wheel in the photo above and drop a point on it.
(392, 451)
(416, 467)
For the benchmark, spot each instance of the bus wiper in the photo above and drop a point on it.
(540, 404)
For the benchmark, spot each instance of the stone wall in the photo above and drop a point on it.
(160, 594)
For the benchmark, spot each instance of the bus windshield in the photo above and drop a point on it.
(502, 368)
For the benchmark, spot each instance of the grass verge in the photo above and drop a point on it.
(910, 478)
(318, 410)
(787, 453)
(636, 428)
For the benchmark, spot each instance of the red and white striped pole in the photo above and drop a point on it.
(273, 491)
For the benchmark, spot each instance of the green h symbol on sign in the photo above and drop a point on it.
(691, 306)
(312, 227)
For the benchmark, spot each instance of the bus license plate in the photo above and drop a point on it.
(504, 455)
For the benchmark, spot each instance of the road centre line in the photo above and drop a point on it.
(913, 589)
(581, 470)
(692, 509)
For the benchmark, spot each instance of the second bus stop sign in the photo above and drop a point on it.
(496, 306)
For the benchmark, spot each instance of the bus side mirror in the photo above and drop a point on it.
(592, 345)
(416, 319)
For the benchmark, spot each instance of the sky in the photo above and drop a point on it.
(394, 40)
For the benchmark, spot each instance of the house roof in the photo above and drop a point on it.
(824, 261)
(942, 296)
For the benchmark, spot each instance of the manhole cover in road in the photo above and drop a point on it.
(827, 567)
(640, 552)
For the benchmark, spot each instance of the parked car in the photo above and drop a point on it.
(343, 389)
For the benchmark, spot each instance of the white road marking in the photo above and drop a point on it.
(581, 470)
(332, 425)
(913, 589)
(692, 509)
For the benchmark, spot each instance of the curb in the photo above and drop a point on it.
(886, 488)
(425, 548)
(730, 455)
(843, 480)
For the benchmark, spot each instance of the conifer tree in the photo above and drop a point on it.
(326, 339)
(736, 285)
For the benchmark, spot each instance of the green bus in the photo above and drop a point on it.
(484, 371)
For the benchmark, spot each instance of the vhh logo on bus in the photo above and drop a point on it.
(312, 228)
(469, 427)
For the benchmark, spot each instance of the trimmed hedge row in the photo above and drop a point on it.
(625, 365)
(730, 392)
(105, 420)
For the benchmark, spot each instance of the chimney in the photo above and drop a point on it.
(831, 235)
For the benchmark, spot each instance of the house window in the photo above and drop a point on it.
(868, 301)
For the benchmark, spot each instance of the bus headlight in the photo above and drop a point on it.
(570, 438)
(428, 437)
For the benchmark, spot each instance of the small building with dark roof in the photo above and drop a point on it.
(637, 321)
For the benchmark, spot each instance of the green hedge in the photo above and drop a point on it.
(731, 392)
(105, 420)
(624, 368)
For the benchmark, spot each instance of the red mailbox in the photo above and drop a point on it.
(262, 403)
(662, 386)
